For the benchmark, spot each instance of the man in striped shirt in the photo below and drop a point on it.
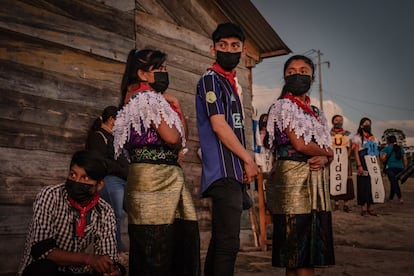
(72, 230)
(226, 162)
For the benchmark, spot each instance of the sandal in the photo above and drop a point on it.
(346, 209)
(364, 213)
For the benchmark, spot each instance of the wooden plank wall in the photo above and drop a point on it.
(61, 63)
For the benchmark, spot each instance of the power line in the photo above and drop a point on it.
(372, 103)
(361, 111)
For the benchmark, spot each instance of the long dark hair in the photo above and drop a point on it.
(145, 60)
(360, 131)
(108, 112)
(288, 62)
(395, 148)
(261, 121)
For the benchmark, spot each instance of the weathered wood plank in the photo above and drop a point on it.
(34, 81)
(201, 17)
(176, 35)
(177, 10)
(23, 189)
(153, 7)
(179, 57)
(49, 56)
(30, 136)
(182, 81)
(16, 224)
(43, 111)
(37, 163)
(24, 172)
(124, 5)
(95, 13)
(37, 22)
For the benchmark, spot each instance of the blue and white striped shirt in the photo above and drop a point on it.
(215, 95)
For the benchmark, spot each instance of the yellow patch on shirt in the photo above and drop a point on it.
(211, 97)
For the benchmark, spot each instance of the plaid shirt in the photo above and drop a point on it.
(53, 226)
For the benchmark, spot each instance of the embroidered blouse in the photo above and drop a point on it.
(133, 125)
(286, 114)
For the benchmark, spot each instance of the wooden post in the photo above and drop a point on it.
(253, 222)
(264, 216)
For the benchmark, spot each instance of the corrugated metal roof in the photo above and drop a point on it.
(257, 29)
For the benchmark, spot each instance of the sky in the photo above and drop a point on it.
(369, 45)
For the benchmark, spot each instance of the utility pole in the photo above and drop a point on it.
(320, 77)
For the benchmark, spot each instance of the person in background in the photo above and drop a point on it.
(73, 230)
(264, 156)
(101, 141)
(337, 129)
(363, 141)
(394, 158)
(223, 148)
(151, 129)
(297, 190)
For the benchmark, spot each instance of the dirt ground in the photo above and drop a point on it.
(382, 245)
(374, 246)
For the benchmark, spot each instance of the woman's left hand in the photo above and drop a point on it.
(317, 162)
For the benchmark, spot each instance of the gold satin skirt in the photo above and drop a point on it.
(292, 188)
(157, 194)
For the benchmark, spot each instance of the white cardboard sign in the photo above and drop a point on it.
(339, 171)
(377, 187)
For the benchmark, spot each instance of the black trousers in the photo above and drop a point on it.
(226, 195)
(394, 186)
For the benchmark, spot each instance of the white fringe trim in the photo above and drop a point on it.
(144, 109)
(286, 113)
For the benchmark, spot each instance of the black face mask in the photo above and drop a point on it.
(228, 61)
(79, 192)
(338, 125)
(298, 84)
(161, 82)
(367, 129)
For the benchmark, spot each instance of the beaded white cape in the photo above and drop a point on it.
(285, 113)
(144, 109)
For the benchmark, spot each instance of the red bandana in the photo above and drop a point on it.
(337, 130)
(369, 136)
(181, 116)
(230, 76)
(81, 224)
(145, 87)
(305, 106)
(136, 89)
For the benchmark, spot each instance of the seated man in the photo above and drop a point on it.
(72, 230)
